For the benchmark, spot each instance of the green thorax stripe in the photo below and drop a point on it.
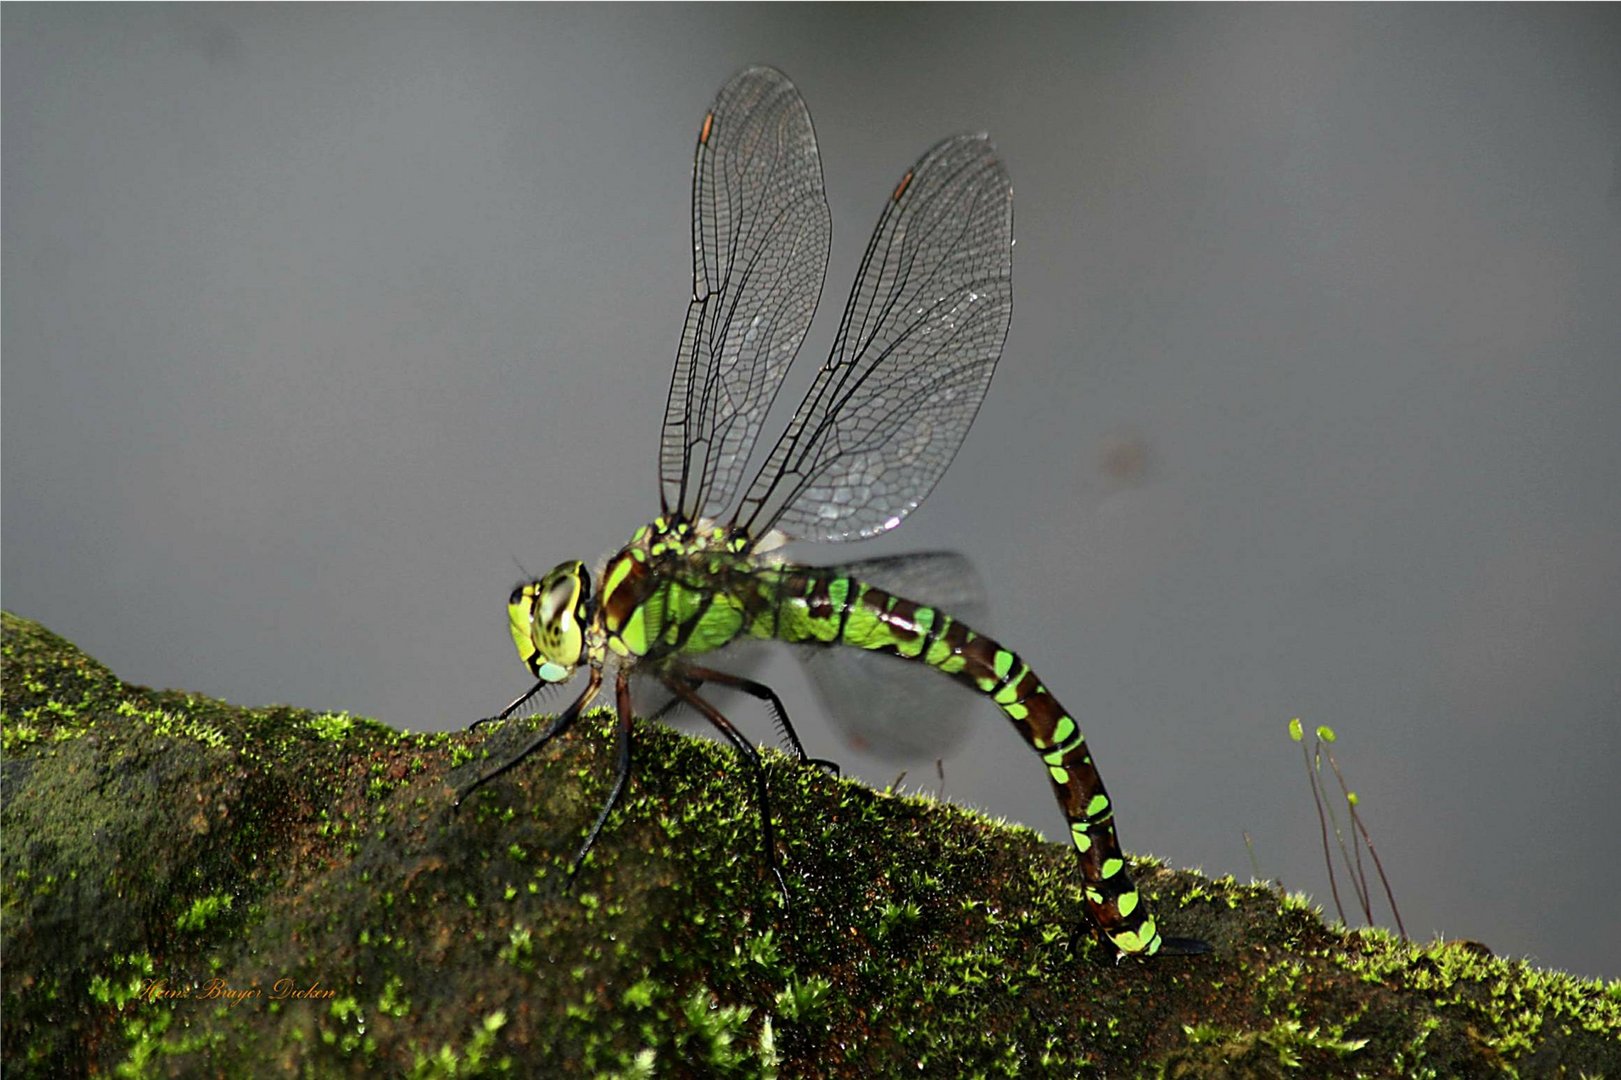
(667, 592)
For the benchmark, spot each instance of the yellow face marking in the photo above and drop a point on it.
(520, 619)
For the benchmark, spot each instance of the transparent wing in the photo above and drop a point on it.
(915, 352)
(760, 235)
(893, 709)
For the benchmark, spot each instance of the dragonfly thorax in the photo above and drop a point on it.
(548, 619)
(670, 590)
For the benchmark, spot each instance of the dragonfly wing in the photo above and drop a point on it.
(944, 578)
(893, 709)
(915, 352)
(760, 235)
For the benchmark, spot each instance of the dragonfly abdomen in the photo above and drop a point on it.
(834, 609)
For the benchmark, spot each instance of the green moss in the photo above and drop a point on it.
(331, 726)
(309, 869)
(202, 910)
(1287, 1046)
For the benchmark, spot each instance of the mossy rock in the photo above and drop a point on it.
(194, 888)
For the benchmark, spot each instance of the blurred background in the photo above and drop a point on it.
(317, 320)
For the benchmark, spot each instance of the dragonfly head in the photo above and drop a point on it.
(548, 620)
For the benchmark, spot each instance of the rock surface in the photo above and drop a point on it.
(195, 888)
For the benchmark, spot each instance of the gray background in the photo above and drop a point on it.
(315, 319)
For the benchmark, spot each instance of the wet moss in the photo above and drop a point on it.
(194, 888)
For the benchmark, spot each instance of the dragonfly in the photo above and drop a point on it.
(886, 413)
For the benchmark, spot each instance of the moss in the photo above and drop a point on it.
(196, 888)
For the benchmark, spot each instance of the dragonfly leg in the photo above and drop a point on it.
(621, 771)
(687, 692)
(517, 703)
(561, 724)
(779, 714)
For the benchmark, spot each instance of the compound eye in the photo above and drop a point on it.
(517, 596)
(556, 605)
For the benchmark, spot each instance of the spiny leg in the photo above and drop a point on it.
(626, 718)
(561, 724)
(779, 714)
(751, 758)
(517, 703)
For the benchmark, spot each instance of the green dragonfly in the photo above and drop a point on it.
(887, 411)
